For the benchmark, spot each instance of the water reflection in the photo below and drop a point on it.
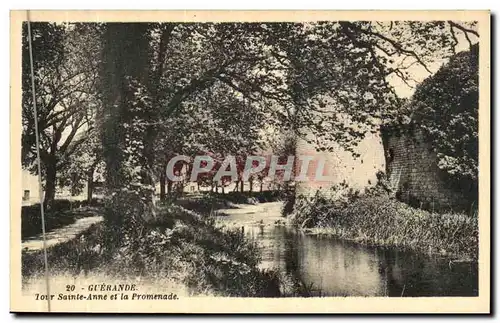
(340, 268)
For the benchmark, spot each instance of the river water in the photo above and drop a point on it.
(332, 267)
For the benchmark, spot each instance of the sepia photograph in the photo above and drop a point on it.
(176, 162)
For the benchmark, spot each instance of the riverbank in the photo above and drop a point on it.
(321, 265)
(183, 248)
(382, 221)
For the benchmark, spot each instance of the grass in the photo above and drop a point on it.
(181, 247)
(377, 219)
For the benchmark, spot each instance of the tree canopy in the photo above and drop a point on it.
(149, 91)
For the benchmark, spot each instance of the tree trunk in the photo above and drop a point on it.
(236, 185)
(222, 188)
(242, 186)
(90, 184)
(251, 185)
(124, 55)
(179, 188)
(74, 184)
(261, 185)
(163, 181)
(153, 113)
(50, 185)
(169, 186)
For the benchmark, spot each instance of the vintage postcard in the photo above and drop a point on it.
(250, 161)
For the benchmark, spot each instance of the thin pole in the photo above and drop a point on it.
(40, 190)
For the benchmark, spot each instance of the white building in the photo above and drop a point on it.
(29, 188)
(30, 191)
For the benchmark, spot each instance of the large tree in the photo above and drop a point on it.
(64, 75)
(85, 164)
(328, 77)
(148, 71)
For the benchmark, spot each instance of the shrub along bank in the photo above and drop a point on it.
(377, 219)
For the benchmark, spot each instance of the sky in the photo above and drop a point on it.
(419, 73)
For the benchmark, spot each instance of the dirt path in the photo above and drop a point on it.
(60, 235)
(241, 214)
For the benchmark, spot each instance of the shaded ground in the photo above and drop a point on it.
(84, 218)
(208, 203)
(60, 214)
(60, 235)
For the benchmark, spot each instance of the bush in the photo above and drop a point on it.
(94, 202)
(268, 196)
(63, 205)
(82, 253)
(446, 108)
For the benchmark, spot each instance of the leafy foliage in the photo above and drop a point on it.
(446, 107)
(139, 93)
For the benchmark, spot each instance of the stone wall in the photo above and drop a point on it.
(409, 162)
(357, 173)
(413, 174)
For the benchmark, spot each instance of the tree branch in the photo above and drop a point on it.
(74, 128)
(393, 43)
(463, 29)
